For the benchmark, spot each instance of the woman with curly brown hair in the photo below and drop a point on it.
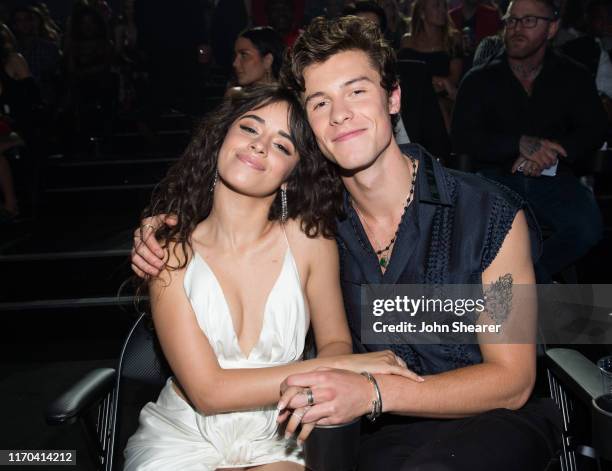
(249, 264)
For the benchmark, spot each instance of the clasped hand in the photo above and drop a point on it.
(339, 395)
(537, 155)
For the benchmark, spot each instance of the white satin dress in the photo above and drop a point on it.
(173, 436)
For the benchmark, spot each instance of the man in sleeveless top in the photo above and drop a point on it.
(409, 220)
(349, 91)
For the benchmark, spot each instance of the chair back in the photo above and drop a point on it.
(142, 372)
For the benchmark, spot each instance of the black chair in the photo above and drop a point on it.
(574, 383)
(107, 402)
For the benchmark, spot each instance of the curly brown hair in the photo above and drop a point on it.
(314, 189)
(324, 38)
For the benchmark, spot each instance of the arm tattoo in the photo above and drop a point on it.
(529, 146)
(498, 298)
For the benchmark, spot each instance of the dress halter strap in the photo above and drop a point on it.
(282, 225)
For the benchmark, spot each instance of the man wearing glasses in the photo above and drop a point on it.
(525, 117)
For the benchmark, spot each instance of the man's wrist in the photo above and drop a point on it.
(376, 402)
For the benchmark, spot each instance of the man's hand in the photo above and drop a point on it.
(339, 397)
(147, 254)
(529, 168)
(543, 152)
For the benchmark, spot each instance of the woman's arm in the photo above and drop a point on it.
(456, 60)
(324, 296)
(212, 389)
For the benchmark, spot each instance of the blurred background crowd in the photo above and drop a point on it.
(74, 76)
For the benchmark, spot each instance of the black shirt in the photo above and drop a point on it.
(493, 111)
(440, 241)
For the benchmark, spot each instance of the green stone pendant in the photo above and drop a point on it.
(383, 262)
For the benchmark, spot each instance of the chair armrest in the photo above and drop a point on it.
(89, 390)
(576, 372)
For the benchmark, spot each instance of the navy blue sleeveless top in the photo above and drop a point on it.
(449, 234)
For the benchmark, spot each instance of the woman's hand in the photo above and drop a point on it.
(384, 362)
(295, 416)
(294, 422)
(147, 254)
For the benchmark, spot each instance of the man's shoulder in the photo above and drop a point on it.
(567, 66)
(489, 70)
(472, 187)
(468, 186)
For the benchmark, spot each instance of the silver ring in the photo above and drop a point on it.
(299, 416)
(144, 226)
(309, 396)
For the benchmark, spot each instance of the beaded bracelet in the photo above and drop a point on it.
(377, 402)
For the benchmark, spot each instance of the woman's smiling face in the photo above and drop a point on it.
(258, 153)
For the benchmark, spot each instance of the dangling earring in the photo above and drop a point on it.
(284, 212)
(214, 183)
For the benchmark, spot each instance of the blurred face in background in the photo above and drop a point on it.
(249, 65)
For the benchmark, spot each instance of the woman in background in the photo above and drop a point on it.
(433, 40)
(258, 56)
(18, 92)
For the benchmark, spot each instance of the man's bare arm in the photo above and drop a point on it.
(506, 376)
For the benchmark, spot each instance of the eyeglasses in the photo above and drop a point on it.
(528, 22)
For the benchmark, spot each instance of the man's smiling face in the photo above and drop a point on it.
(348, 109)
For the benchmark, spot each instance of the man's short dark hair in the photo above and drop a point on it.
(366, 6)
(324, 38)
(551, 5)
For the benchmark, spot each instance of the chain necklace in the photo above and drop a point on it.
(383, 254)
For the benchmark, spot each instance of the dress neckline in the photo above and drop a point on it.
(227, 310)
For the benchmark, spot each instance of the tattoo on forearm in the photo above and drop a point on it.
(529, 146)
(498, 298)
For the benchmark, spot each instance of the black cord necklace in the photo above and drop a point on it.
(383, 254)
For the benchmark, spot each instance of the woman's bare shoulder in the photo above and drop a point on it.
(311, 247)
(176, 259)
